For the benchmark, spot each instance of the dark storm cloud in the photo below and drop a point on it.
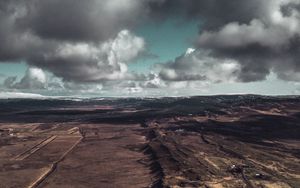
(211, 14)
(81, 41)
(199, 66)
(77, 20)
(265, 44)
(182, 69)
(288, 8)
(90, 41)
(261, 36)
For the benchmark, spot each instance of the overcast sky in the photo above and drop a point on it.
(149, 47)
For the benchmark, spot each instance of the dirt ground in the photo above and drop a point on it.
(249, 146)
(93, 156)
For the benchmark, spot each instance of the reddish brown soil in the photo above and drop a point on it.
(244, 144)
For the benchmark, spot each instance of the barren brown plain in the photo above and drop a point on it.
(215, 142)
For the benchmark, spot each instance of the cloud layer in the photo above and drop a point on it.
(34, 78)
(261, 36)
(88, 62)
(268, 42)
(197, 66)
(93, 42)
(86, 42)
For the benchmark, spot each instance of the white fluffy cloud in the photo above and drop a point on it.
(89, 62)
(268, 42)
(200, 66)
(274, 32)
(154, 81)
(34, 78)
(87, 42)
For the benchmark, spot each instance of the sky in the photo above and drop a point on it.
(97, 48)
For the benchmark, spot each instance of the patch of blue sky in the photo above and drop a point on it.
(164, 41)
(13, 69)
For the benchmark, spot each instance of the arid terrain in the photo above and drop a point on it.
(213, 142)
